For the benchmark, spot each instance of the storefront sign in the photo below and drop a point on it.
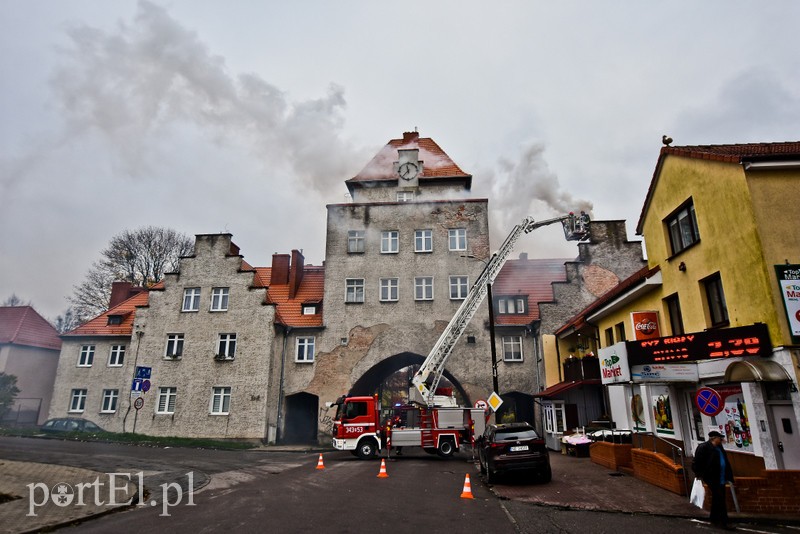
(614, 364)
(752, 340)
(665, 372)
(645, 325)
(789, 280)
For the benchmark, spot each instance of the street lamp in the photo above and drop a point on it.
(495, 387)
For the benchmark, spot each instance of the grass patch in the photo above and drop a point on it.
(135, 439)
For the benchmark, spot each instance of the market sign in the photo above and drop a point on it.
(645, 325)
(665, 372)
(789, 281)
(614, 364)
(752, 340)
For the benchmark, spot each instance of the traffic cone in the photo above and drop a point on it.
(320, 465)
(383, 473)
(466, 493)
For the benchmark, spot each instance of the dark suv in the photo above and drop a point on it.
(513, 447)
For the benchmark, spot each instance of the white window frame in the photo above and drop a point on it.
(405, 196)
(389, 289)
(166, 400)
(390, 242)
(457, 239)
(86, 357)
(554, 414)
(305, 348)
(219, 299)
(226, 346)
(174, 341)
(310, 309)
(423, 240)
(77, 400)
(191, 299)
(355, 241)
(510, 343)
(220, 403)
(110, 400)
(352, 293)
(422, 289)
(116, 356)
(461, 283)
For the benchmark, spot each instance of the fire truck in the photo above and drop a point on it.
(433, 420)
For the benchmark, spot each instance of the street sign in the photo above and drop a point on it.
(495, 401)
(143, 372)
(136, 394)
(482, 404)
(138, 403)
(709, 401)
(137, 384)
(145, 385)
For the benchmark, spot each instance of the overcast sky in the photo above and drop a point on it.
(247, 116)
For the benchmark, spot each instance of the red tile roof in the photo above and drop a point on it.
(127, 309)
(531, 277)
(289, 311)
(436, 163)
(737, 154)
(22, 325)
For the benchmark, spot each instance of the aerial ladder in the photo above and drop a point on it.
(426, 380)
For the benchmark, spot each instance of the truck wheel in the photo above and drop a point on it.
(367, 449)
(446, 448)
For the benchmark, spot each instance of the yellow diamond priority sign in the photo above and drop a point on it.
(494, 401)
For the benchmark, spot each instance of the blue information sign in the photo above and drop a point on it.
(708, 401)
(137, 384)
(143, 372)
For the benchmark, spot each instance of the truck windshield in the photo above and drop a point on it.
(355, 409)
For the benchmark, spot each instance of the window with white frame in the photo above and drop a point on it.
(77, 401)
(87, 356)
(110, 398)
(116, 356)
(390, 242)
(174, 348)
(355, 241)
(405, 196)
(219, 298)
(354, 290)
(423, 288)
(509, 305)
(220, 400)
(309, 309)
(389, 289)
(305, 349)
(512, 348)
(165, 402)
(191, 299)
(458, 287)
(555, 418)
(423, 240)
(226, 346)
(457, 238)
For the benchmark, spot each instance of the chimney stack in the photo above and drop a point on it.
(523, 255)
(408, 137)
(296, 272)
(122, 291)
(280, 270)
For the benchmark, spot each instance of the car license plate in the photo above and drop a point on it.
(519, 448)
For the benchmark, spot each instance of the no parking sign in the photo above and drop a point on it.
(708, 401)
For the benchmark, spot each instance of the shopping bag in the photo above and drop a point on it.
(698, 493)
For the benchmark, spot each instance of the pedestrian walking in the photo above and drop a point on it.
(711, 465)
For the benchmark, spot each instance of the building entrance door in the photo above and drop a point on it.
(787, 435)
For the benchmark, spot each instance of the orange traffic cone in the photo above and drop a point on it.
(466, 493)
(320, 465)
(383, 473)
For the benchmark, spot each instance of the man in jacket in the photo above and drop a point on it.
(711, 465)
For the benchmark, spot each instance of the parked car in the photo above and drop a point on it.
(504, 448)
(69, 424)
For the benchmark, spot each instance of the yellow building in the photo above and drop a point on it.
(708, 337)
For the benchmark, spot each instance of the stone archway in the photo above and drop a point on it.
(301, 419)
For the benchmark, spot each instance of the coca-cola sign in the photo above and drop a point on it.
(645, 325)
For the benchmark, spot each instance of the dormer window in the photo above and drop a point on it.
(114, 319)
(309, 309)
(511, 305)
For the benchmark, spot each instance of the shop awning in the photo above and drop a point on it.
(756, 371)
(562, 387)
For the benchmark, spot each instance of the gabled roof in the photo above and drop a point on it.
(436, 164)
(22, 325)
(736, 154)
(531, 277)
(289, 311)
(126, 310)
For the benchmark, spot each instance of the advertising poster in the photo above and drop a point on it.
(645, 325)
(614, 364)
(637, 413)
(733, 421)
(662, 414)
(789, 280)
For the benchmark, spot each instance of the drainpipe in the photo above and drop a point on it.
(278, 432)
(139, 334)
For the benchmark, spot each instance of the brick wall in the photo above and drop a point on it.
(775, 493)
(611, 455)
(659, 470)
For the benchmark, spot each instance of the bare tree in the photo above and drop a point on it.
(67, 321)
(139, 256)
(14, 300)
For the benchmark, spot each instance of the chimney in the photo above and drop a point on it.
(523, 255)
(409, 137)
(296, 272)
(122, 291)
(280, 270)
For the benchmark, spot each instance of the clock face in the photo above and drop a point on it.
(408, 171)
